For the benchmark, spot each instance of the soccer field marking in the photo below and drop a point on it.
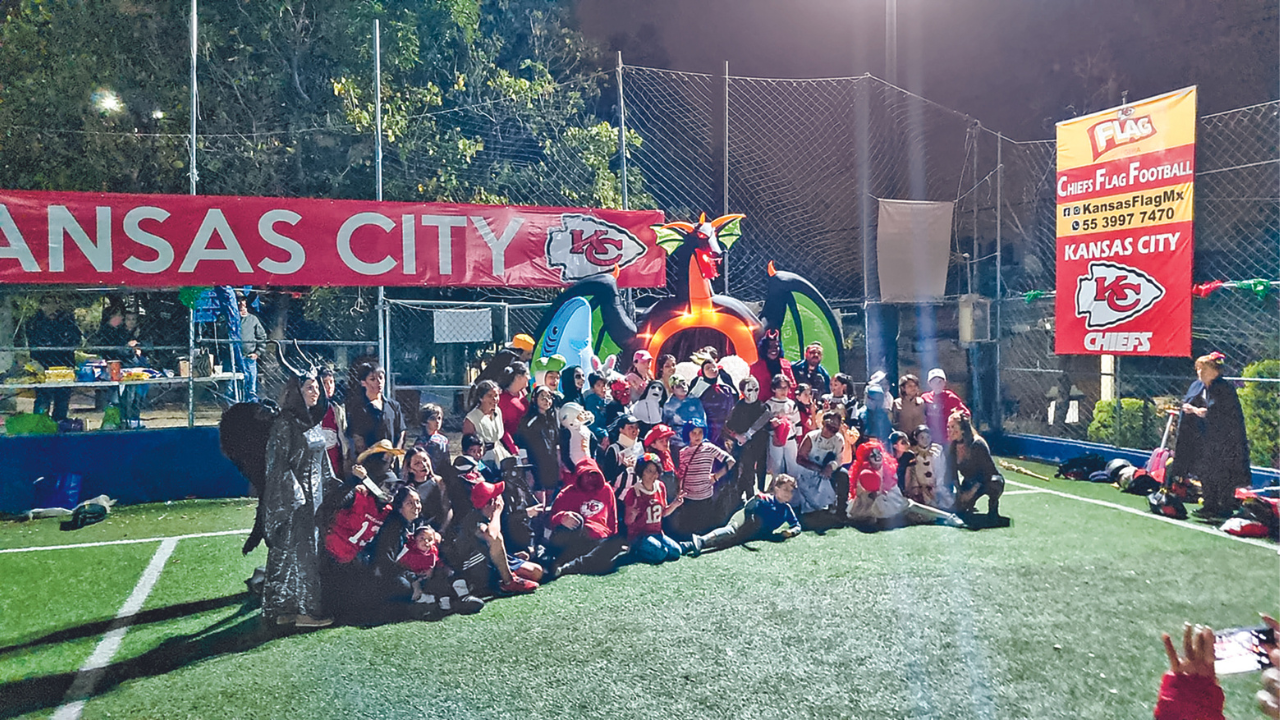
(1020, 492)
(1134, 511)
(126, 542)
(82, 687)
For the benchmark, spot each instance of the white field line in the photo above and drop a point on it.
(85, 680)
(126, 542)
(1146, 514)
(1019, 492)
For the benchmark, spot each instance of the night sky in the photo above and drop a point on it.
(1016, 65)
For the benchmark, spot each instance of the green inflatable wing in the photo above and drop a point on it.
(802, 316)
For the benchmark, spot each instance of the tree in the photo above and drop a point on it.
(483, 100)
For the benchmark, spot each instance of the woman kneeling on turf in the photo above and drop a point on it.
(972, 472)
(646, 505)
(765, 517)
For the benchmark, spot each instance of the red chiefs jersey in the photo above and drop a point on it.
(651, 507)
(353, 527)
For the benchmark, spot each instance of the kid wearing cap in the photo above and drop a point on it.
(479, 549)
(641, 373)
(940, 403)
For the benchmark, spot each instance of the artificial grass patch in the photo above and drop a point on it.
(179, 517)
(919, 622)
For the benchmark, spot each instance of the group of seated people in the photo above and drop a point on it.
(562, 470)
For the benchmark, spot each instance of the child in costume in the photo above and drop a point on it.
(576, 438)
(645, 505)
(765, 517)
(680, 409)
(926, 476)
(747, 427)
(786, 427)
(698, 474)
(649, 404)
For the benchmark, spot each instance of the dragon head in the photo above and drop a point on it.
(708, 239)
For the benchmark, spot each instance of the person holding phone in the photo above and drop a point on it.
(1190, 690)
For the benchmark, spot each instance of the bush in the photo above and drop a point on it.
(1261, 404)
(1140, 424)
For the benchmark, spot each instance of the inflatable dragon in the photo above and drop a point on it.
(587, 322)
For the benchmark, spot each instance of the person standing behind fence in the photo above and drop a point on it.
(1212, 445)
(252, 341)
(53, 327)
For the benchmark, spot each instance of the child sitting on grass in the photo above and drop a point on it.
(645, 505)
(765, 517)
(428, 577)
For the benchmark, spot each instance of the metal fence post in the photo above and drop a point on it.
(191, 367)
(999, 299)
(725, 204)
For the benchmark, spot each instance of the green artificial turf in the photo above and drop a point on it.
(1056, 617)
(179, 517)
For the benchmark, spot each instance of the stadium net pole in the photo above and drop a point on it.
(725, 191)
(622, 165)
(191, 175)
(384, 355)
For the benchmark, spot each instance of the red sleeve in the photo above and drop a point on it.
(610, 512)
(1189, 697)
(560, 506)
(955, 403)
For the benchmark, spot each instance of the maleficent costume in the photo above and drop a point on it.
(298, 476)
(1214, 448)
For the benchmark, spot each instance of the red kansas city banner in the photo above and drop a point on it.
(179, 240)
(1124, 214)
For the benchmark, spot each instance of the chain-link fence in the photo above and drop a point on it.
(805, 160)
(1237, 228)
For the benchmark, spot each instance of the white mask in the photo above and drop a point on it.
(751, 392)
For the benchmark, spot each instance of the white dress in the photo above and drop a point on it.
(814, 492)
(490, 430)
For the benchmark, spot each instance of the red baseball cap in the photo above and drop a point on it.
(658, 432)
(483, 493)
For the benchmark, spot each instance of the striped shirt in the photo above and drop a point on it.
(696, 462)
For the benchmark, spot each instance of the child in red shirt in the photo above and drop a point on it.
(420, 557)
(646, 505)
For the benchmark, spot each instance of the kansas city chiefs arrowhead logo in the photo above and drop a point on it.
(583, 246)
(1112, 294)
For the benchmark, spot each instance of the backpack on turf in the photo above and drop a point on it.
(1081, 466)
(1164, 502)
